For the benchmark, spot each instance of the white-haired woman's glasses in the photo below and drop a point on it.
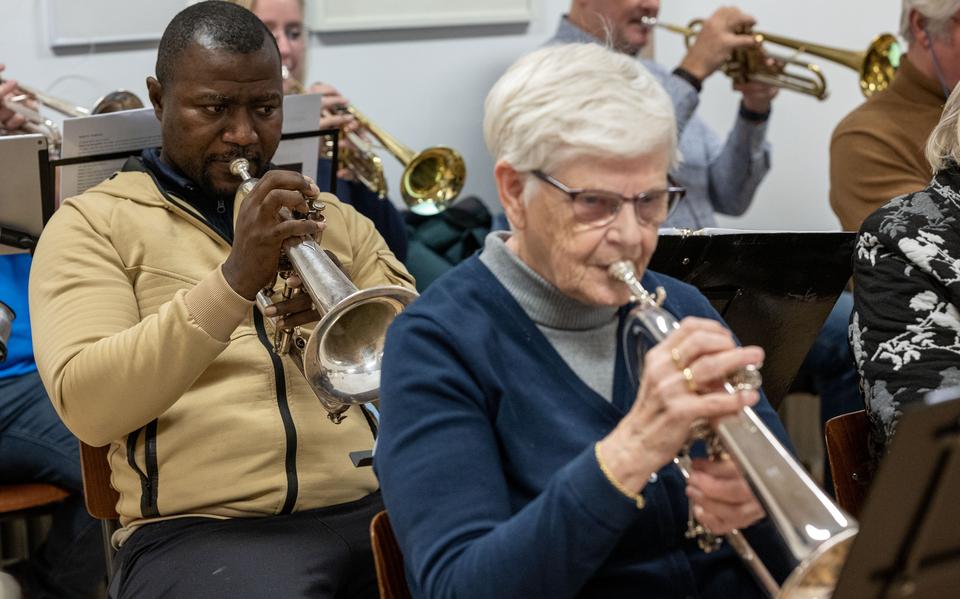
(597, 207)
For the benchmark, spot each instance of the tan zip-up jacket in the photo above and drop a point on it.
(141, 344)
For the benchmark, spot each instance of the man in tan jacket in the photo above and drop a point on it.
(232, 481)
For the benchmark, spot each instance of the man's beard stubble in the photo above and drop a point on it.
(226, 196)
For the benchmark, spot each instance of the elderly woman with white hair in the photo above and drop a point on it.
(518, 454)
(905, 328)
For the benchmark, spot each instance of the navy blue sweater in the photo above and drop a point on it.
(486, 462)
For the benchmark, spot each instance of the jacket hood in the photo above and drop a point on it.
(133, 182)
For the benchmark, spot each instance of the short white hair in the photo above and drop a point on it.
(576, 100)
(937, 13)
(943, 145)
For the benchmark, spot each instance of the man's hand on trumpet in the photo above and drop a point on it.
(719, 36)
(683, 383)
(260, 232)
(296, 311)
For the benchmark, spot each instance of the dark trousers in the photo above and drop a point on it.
(322, 553)
(35, 446)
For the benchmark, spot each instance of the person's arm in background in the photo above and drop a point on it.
(866, 173)
(9, 120)
(734, 168)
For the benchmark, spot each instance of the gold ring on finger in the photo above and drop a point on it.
(677, 358)
(688, 376)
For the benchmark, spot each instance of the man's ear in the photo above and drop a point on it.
(155, 92)
(918, 27)
(510, 186)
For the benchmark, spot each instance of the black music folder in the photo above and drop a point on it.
(774, 289)
(909, 540)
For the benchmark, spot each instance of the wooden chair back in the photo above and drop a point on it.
(391, 579)
(849, 457)
(101, 499)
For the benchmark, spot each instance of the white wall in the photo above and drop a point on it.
(427, 86)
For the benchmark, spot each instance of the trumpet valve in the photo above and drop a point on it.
(746, 379)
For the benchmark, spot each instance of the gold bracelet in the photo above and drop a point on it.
(634, 497)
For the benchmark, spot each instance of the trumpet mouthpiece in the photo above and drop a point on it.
(240, 167)
(622, 271)
(648, 21)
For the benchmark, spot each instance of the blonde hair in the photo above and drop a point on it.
(563, 102)
(943, 145)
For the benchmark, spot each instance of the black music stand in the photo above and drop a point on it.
(909, 541)
(774, 289)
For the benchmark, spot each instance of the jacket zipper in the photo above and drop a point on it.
(290, 460)
(148, 480)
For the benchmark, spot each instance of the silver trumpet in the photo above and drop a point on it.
(815, 531)
(341, 358)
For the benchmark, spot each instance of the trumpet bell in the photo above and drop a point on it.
(342, 359)
(880, 63)
(432, 180)
(817, 576)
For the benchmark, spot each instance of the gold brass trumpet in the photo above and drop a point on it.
(341, 357)
(431, 180)
(815, 531)
(876, 66)
(114, 101)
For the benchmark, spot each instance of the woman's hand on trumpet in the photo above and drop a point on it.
(682, 383)
(333, 116)
(260, 231)
(722, 499)
(332, 105)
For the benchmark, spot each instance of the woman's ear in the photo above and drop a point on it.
(510, 184)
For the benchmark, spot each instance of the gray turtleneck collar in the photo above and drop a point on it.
(583, 335)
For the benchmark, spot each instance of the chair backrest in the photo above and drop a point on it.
(391, 579)
(101, 499)
(850, 461)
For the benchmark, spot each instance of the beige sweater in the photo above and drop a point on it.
(876, 152)
(142, 344)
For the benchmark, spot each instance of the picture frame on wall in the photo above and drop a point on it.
(360, 15)
(94, 22)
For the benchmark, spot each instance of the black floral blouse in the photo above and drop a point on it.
(905, 327)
